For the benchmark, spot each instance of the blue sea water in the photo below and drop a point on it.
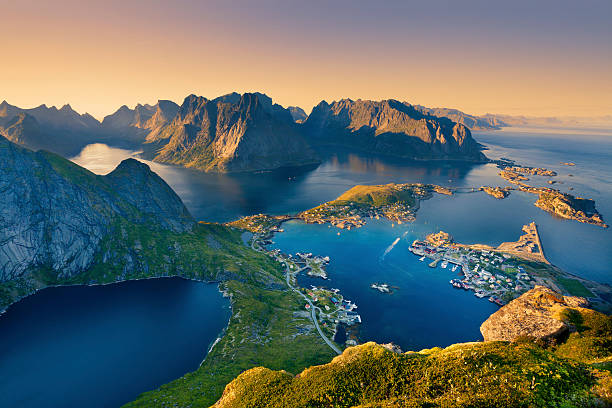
(423, 311)
(63, 345)
(101, 346)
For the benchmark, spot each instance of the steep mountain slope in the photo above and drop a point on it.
(63, 130)
(142, 123)
(22, 129)
(297, 113)
(232, 133)
(54, 214)
(391, 128)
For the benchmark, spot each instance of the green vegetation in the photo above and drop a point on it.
(377, 196)
(591, 342)
(574, 287)
(264, 330)
(494, 374)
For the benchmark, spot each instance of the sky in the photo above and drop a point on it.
(536, 57)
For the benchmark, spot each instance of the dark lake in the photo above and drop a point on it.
(101, 346)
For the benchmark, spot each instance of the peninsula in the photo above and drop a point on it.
(504, 272)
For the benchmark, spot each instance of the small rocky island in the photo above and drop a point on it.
(554, 201)
(568, 206)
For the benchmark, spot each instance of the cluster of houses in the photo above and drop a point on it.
(487, 273)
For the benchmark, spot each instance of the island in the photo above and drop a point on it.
(554, 201)
(497, 192)
(396, 202)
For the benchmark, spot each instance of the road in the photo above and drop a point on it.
(313, 308)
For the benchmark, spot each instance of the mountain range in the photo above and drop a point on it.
(390, 128)
(248, 132)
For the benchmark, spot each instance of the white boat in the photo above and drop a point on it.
(422, 259)
(454, 268)
(444, 264)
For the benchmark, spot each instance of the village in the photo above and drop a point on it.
(351, 215)
(489, 274)
(333, 309)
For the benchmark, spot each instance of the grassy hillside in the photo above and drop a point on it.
(377, 196)
(492, 374)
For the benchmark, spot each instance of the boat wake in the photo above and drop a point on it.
(390, 247)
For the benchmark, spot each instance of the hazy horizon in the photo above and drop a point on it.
(551, 58)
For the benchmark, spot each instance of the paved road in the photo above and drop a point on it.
(313, 312)
(313, 308)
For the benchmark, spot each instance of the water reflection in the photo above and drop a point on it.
(223, 197)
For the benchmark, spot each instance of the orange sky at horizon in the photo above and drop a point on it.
(99, 56)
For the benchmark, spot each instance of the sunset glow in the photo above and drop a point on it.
(546, 58)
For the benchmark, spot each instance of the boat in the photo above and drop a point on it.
(455, 267)
(422, 259)
(444, 264)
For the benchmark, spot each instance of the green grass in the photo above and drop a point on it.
(376, 196)
(574, 287)
(591, 341)
(263, 331)
(467, 375)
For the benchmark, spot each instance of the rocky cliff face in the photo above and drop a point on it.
(54, 214)
(297, 113)
(232, 133)
(537, 314)
(391, 128)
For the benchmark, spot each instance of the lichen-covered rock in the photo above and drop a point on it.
(535, 314)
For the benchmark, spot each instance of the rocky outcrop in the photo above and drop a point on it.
(232, 133)
(536, 315)
(390, 128)
(297, 114)
(54, 214)
(570, 207)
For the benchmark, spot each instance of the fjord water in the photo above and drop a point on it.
(423, 311)
(63, 345)
(101, 346)
(582, 249)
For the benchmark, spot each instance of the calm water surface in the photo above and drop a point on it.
(102, 346)
(68, 342)
(579, 248)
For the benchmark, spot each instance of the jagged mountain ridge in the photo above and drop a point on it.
(391, 128)
(63, 130)
(297, 113)
(232, 133)
(235, 132)
(143, 122)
